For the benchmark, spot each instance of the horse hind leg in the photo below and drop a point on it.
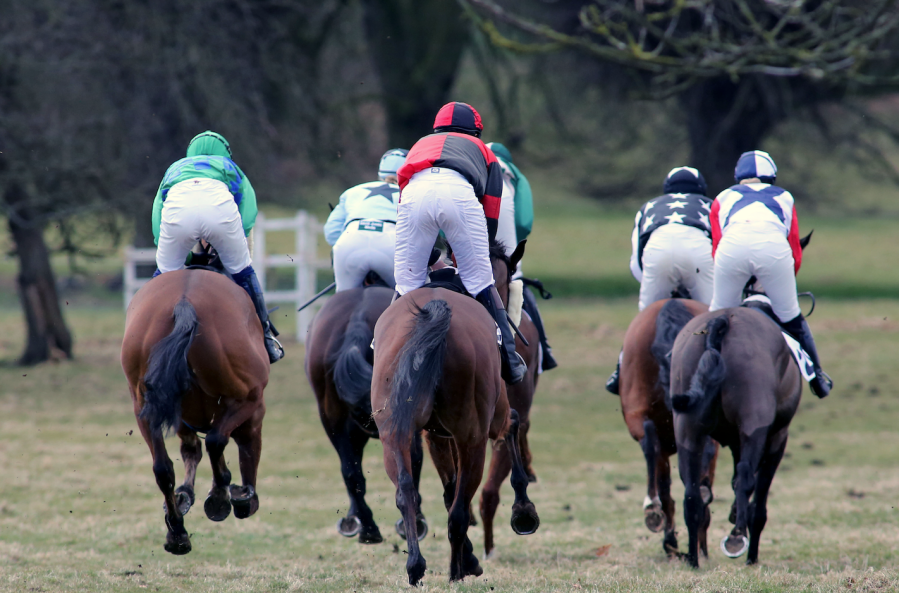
(218, 501)
(690, 463)
(500, 467)
(525, 520)
(653, 513)
(421, 524)
(759, 516)
(470, 468)
(407, 501)
(663, 476)
(736, 543)
(191, 454)
(248, 437)
(177, 540)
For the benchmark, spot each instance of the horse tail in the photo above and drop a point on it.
(352, 369)
(168, 374)
(672, 318)
(710, 370)
(419, 368)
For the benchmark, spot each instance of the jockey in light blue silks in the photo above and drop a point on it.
(362, 228)
(516, 219)
(206, 197)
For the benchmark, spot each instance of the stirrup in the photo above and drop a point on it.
(273, 347)
(822, 380)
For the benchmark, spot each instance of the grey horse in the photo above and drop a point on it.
(733, 378)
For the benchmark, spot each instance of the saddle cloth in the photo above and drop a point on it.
(763, 304)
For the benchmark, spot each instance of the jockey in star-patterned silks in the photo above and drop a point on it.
(672, 245)
(755, 232)
(516, 219)
(452, 182)
(205, 196)
(362, 227)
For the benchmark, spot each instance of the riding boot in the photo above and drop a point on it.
(530, 305)
(247, 280)
(799, 329)
(513, 366)
(612, 385)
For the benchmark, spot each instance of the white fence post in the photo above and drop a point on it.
(305, 262)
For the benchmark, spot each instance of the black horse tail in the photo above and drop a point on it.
(710, 371)
(420, 367)
(168, 374)
(352, 364)
(671, 319)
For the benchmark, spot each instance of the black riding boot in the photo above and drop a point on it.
(513, 367)
(247, 280)
(612, 385)
(530, 305)
(799, 329)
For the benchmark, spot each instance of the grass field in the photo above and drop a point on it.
(80, 511)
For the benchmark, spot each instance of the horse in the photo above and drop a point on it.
(194, 357)
(338, 367)
(647, 413)
(733, 378)
(521, 396)
(437, 367)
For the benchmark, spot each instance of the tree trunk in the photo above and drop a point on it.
(47, 330)
(416, 46)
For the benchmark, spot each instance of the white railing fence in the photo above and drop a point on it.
(304, 260)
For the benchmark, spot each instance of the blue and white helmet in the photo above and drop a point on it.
(391, 162)
(758, 164)
(685, 180)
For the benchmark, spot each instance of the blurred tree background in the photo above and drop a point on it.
(597, 97)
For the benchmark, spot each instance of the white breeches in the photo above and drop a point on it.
(198, 209)
(441, 199)
(676, 254)
(760, 250)
(364, 246)
(505, 230)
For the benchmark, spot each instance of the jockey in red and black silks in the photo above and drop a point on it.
(452, 182)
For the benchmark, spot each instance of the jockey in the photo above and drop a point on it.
(205, 196)
(755, 232)
(362, 228)
(446, 175)
(672, 244)
(516, 219)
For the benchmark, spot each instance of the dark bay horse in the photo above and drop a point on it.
(647, 414)
(338, 366)
(733, 378)
(437, 367)
(521, 396)
(195, 360)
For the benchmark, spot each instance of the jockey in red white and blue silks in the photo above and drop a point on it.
(755, 232)
(452, 182)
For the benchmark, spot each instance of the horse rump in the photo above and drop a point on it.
(419, 367)
(168, 374)
(710, 370)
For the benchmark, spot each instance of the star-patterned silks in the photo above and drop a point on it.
(676, 204)
(675, 217)
(384, 190)
(648, 222)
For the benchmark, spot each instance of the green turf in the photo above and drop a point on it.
(80, 511)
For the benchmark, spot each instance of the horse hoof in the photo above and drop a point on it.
(734, 546)
(179, 545)
(525, 520)
(244, 500)
(218, 504)
(349, 526)
(421, 526)
(416, 571)
(472, 567)
(184, 499)
(654, 519)
(705, 492)
(370, 536)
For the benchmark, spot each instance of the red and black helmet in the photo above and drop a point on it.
(458, 117)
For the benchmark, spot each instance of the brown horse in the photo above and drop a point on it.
(338, 366)
(194, 357)
(521, 396)
(733, 378)
(437, 367)
(647, 412)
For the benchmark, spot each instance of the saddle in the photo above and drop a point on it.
(449, 279)
(207, 260)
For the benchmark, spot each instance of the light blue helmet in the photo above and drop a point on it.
(755, 164)
(391, 162)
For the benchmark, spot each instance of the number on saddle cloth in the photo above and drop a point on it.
(762, 303)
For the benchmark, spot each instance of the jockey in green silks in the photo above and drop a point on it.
(205, 196)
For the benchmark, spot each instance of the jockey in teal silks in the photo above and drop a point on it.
(205, 196)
